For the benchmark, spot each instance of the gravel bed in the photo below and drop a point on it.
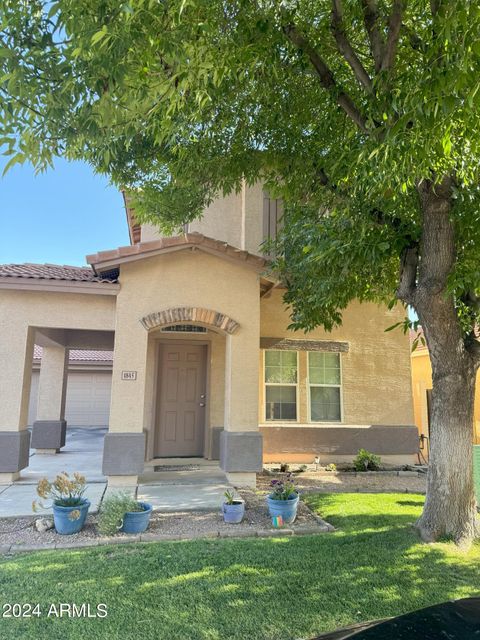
(19, 533)
(351, 482)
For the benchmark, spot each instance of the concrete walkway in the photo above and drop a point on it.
(169, 490)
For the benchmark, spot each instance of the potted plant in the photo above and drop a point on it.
(283, 500)
(120, 512)
(233, 508)
(70, 507)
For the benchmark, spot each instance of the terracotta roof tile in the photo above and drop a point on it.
(80, 355)
(143, 249)
(52, 272)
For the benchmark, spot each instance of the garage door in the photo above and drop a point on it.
(88, 399)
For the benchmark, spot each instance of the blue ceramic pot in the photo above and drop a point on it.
(285, 508)
(70, 520)
(233, 513)
(137, 521)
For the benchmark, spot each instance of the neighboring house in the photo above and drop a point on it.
(422, 393)
(203, 361)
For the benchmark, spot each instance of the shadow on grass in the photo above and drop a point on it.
(270, 589)
(408, 503)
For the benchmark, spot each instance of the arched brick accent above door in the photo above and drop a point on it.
(205, 317)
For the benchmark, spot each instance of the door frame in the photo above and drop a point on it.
(158, 388)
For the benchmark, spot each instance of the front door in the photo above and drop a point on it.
(182, 392)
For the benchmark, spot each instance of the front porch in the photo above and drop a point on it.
(168, 484)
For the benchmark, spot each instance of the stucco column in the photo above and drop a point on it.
(16, 355)
(124, 447)
(241, 442)
(49, 428)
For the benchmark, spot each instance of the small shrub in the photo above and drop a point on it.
(112, 511)
(366, 461)
(331, 467)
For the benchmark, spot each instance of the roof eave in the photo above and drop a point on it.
(191, 242)
(60, 286)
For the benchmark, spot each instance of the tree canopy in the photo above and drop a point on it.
(338, 107)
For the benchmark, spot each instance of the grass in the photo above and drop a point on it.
(270, 589)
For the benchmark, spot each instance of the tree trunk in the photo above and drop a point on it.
(450, 507)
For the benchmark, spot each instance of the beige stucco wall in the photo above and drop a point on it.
(20, 311)
(185, 279)
(376, 379)
(253, 216)
(52, 387)
(236, 219)
(222, 220)
(57, 310)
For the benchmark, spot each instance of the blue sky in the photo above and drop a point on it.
(59, 216)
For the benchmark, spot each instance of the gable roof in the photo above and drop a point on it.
(134, 229)
(53, 272)
(112, 259)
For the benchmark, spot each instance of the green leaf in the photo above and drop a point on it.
(394, 326)
(19, 158)
(99, 35)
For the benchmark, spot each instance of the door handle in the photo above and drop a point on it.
(202, 404)
(202, 396)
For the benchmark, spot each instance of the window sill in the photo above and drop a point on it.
(286, 423)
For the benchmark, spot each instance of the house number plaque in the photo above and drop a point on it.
(129, 375)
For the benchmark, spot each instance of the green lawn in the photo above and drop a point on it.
(254, 589)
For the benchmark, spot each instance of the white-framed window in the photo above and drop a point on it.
(281, 382)
(325, 386)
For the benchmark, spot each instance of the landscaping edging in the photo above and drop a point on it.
(323, 527)
(311, 474)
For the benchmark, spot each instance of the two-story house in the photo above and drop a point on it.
(203, 362)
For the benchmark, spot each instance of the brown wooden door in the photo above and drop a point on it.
(181, 413)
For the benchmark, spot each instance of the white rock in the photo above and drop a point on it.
(43, 524)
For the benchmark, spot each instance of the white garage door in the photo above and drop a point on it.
(88, 399)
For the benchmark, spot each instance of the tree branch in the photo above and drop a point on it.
(370, 18)
(326, 77)
(345, 48)
(394, 26)
(408, 274)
